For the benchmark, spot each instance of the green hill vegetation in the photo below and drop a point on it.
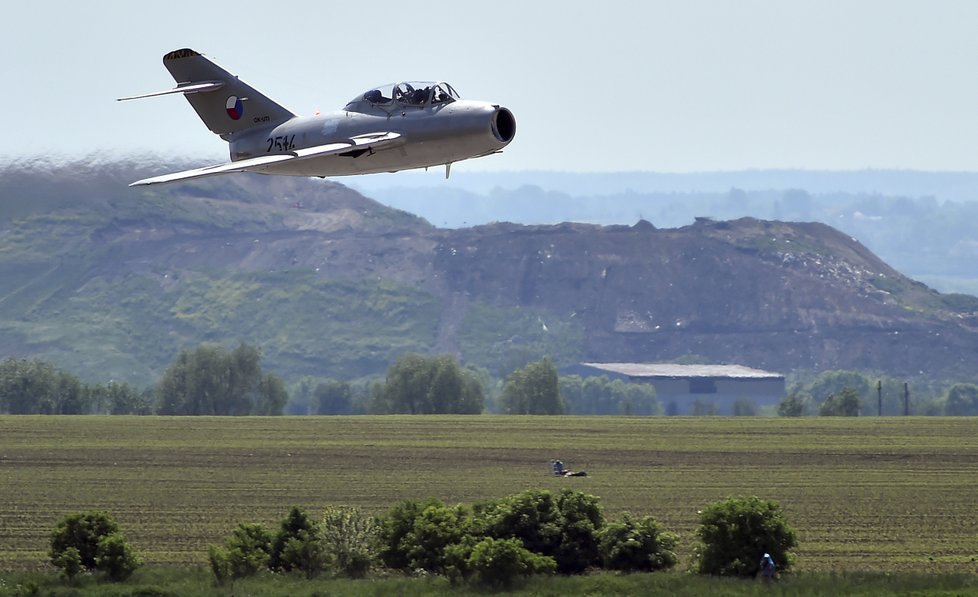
(73, 291)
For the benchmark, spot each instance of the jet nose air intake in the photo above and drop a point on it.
(503, 125)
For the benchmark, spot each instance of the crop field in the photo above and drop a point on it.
(865, 494)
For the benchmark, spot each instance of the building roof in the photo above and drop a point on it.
(672, 371)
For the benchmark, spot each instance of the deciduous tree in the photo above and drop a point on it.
(333, 397)
(33, 386)
(421, 385)
(792, 406)
(843, 404)
(209, 380)
(962, 399)
(533, 390)
(830, 383)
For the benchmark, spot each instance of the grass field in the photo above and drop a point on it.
(866, 494)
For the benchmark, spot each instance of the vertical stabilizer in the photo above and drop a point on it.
(226, 104)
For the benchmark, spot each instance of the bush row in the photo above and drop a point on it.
(499, 542)
(495, 543)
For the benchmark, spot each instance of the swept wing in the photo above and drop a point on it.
(372, 141)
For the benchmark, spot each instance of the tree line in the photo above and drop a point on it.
(418, 384)
(208, 380)
(212, 380)
(853, 393)
(33, 386)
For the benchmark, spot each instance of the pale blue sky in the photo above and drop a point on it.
(595, 86)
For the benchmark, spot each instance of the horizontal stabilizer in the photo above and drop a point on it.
(370, 141)
(187, 88)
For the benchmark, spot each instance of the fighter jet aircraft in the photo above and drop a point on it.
(386, 129)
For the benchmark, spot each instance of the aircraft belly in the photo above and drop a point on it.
(411, 155)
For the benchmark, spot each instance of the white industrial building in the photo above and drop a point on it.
(696, 389)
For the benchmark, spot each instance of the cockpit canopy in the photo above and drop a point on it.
(408, 93)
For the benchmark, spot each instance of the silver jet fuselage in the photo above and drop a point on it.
(431, 135)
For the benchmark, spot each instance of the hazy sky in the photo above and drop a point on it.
(595, 86)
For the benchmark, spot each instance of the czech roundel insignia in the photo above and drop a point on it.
(235, 107)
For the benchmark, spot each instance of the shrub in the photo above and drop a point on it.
(394, 527)
(435, 528)
(244, 553)
(581, 518)
(82, 531)
(220, 563)
(497, 563)
(563, 528)
(531, 516)
(69, 561)
(637, 545)
(296, 522)
(116, 557)
(736, 532)
(350, 539)
(305, 552)
(249, 549)
(91, 540)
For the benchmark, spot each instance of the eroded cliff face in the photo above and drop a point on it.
(770, 294)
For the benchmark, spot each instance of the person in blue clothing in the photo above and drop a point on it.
(558, 468)
(767, 567)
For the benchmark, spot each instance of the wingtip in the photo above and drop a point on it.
(181, 53)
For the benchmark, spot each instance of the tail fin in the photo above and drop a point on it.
(226, 104)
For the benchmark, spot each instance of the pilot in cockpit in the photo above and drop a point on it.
(403, 91)
(417, 97)
(422, 95)
(374, 96)
(406, 94)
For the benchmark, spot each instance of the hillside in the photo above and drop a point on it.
(110, 282)
(921, 223)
